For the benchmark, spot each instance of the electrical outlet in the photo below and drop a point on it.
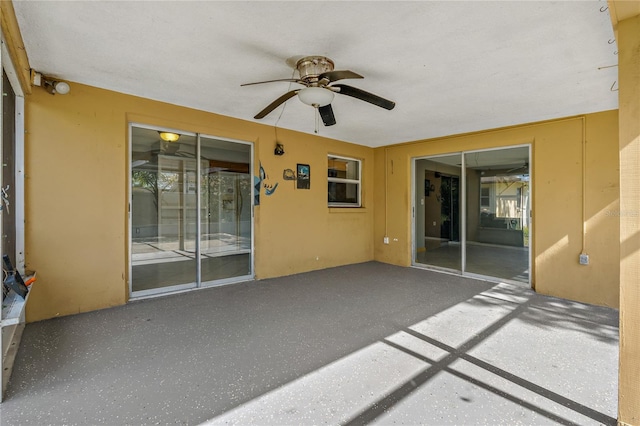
(584, 259)
(386, 240)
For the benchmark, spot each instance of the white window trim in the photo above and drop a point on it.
(343, 180)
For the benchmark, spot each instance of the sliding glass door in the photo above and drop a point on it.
(497, 213)
(225, 238)
(472, 213)
(8, 204)
(437, 220)
(190, 211)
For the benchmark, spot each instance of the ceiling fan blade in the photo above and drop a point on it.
(365, 96)
(326, 112)
(338, 75)
(294, 80)
(275, 104)
(524, 167)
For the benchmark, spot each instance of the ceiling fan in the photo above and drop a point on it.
(317, 75)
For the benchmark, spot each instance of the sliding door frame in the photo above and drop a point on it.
(17, 204)
(198, 284)
(463, 215)
(414, 188)
(251, 275)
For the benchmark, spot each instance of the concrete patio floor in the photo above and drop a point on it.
(360, 344)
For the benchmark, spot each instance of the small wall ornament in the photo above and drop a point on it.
(303, 176)
(288, 174)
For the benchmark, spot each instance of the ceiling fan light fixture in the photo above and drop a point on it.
(169, 136)
(315, 96)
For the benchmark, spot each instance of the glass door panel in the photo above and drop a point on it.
(497, 213)
(437, 218)
(163, 222)
(8, 201)
(225, 203)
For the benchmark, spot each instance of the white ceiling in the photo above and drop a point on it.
(451, 67)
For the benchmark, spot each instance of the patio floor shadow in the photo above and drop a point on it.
(359, 344)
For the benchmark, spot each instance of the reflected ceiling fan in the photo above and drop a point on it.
(518, 170)
(317, 75)
(524, 168)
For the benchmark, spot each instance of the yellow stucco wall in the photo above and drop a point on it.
(76, 197)
(557, 159)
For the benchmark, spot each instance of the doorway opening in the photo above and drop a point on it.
(191, 221)
(472, 213)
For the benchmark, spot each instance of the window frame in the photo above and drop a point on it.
(357, 182)
(485, 198)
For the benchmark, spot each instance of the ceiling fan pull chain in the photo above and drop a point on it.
(317, 115)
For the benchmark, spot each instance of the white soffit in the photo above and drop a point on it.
(451, 67)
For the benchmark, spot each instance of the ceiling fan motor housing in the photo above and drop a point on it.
(310, 67)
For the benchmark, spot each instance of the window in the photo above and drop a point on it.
(344, 176)
(485, 196)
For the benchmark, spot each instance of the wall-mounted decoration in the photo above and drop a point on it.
(270, 189)
(288, 174)
(257, 185)
(427, 187)
(304, 176)
(261, 182)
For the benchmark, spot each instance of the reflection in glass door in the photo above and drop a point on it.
(437, 219)
(8, 202)
(225, 239)
(497, 213)
(190, 220)
(162, 211)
